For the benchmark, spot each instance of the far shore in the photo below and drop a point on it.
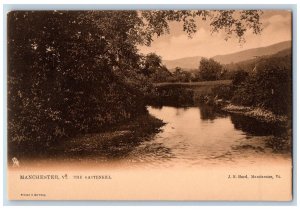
(256, 112)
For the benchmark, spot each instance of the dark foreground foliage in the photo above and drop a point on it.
(63, 74)
(112, 143)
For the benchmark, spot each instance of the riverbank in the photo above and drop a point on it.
(196, 93)
(277, 143)
(115, 141)
(183, 93)
(255, 112)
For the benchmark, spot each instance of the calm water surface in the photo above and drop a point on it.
(201, 136)
(191, 137)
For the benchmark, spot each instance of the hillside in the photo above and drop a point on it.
(252, 53)
(190, 63)
(250, 64)
(187, 63)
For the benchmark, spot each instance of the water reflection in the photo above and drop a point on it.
(195, 135)
(255, 127)
(208, 112)
(191, 136)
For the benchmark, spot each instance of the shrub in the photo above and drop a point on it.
(210, 69)
(268, 87)
(239, 77)
(172, 95)
(223, 91)
(273, 78)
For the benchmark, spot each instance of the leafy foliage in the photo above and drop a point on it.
(210, 69)
(239, 77)
(182, 76)
(232, 22)
(74, 72)
(172, 95)
(63, 73)
(236, 22)
(223, 92)
(268, 87)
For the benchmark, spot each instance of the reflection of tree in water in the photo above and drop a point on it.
(255, 127)
(180, 111)
(172, 95)
(157, 106)
(208, 112)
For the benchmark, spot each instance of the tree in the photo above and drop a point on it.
(76, 71)
(153, 69)
(239, 77)
(235, 23)
(161, 75)
(181, 75)
(269, 87)
(151, 64)
(273, 79)
(178, 74)
(64, 73)
(209, 69)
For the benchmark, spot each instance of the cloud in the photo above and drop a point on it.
(277, 28)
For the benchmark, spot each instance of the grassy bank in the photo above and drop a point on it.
(115, 142)
(256, 112)
(185, 93)
(112, 143)
(200, 88)
(204, 92)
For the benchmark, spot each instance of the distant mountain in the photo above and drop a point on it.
(284, 52)
(187, 63)
(248, 65)
(190, 63)
(252, 53)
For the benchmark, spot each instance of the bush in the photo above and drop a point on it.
(268, 87)
(239, 77)
(209, 69)
(223, 91)
(244, 96)
(172, 95)
(273, 78)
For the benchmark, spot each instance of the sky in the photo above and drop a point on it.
(276, 28)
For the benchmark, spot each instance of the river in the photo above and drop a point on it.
(199, 154)
(191, 137)
(196, 136)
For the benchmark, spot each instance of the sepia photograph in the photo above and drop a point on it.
(165, 105)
